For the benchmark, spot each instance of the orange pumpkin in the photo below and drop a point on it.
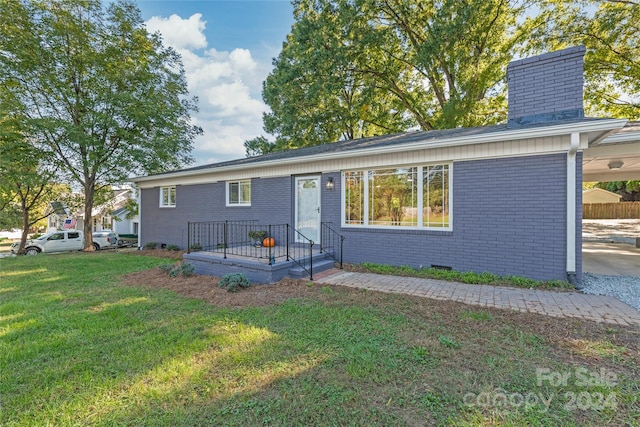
(268, 242)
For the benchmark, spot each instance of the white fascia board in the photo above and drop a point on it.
(621, 137)
(515, 134)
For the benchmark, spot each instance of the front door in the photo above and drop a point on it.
(307, 213)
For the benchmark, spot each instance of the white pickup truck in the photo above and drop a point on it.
(56, 241)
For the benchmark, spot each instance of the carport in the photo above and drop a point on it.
(614, 158)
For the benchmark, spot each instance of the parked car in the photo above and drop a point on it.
(56, 241)
(106, 239)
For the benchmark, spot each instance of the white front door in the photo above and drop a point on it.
(307, 213)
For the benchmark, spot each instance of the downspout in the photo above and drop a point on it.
(571, 210)
(139, 202)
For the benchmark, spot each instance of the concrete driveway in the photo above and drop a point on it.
(608, 247)
(613, 259)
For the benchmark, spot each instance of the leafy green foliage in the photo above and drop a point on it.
(464, 277)
(26, 185)
(257, 235)
(166, 267)
(356, 69)
(96, 94)
(171, 247)
(630, 190)
(10, 216)
(611, 32)
(352, 69)
(150, 245)
(175, 270)
(187, 269)
(233, 281)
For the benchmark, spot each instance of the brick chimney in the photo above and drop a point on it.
(547, 87)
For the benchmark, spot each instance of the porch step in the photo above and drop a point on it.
(319, 265)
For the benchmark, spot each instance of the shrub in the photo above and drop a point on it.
(167, 267)
(187, 270)
(172, 248)
(232, 281)
(195, 247)
(150, 245)
(175, 270)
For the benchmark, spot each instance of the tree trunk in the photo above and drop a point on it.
(89, 192)
(25, 228)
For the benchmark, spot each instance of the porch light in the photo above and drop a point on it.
(330, 183)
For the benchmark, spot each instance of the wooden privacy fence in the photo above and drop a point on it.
(622, 210)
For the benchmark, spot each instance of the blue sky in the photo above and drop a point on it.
(227, 49)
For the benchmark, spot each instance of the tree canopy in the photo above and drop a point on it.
(27, 177)
(357, 68)
(610, 30)
(95, 92)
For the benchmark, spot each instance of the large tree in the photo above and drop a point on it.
(97, 91)
(610, 30)
(27, 176)
(354, 68)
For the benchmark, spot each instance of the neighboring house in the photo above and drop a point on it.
(102, 216)
(598, 195)
(111, 215)
(122, 224)
(56, 213)
(504, 199)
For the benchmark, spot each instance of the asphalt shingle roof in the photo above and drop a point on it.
(380, 141)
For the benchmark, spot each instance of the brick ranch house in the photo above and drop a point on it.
(503, 199)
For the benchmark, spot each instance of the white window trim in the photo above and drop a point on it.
(420, 225)
(161, 201)
(226, 195)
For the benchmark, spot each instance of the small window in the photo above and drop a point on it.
(167, 197)
(239, 193)
(57, 236)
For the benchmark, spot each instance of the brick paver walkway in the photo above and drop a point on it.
(558, 304)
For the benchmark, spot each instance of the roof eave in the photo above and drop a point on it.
(605, 125)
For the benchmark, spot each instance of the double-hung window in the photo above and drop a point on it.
(239, 193)
(168, 197)
(408, 197)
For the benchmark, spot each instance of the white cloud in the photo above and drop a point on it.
(228, 85)
(180, 33)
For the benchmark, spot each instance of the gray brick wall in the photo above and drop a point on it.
(509, 218)
(546, 87)
(270, 204)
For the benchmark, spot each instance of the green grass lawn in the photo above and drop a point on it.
(79, 348)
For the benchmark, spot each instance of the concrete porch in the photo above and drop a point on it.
(262, 267)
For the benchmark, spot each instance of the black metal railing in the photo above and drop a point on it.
(252, 240)
(331, 242)
(215, 236)
(305, 261)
